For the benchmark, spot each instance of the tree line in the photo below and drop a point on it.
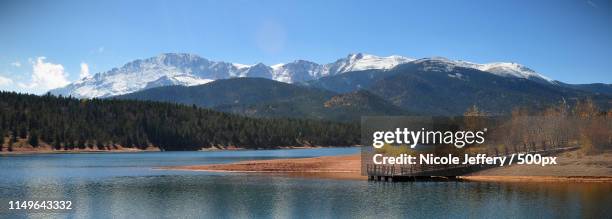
(583, 124)
(68, 123)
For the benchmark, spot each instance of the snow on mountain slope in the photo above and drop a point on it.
(163, 70)
(189, 70)
(302, 70)
(296, 71)
(360, 61)
(240, 66)
(504, 69)
(512, 70)
(374, 62)
(179, 79)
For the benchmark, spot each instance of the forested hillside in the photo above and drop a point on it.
(260, 97)
(435, 87)
(228, 92)
(68, 123)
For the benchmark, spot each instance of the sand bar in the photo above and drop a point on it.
(349, 167)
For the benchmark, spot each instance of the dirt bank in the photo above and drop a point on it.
(336, 167)
(596, 168)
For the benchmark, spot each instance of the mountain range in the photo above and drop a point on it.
(431, 87)
(354, 86)
(188, 70)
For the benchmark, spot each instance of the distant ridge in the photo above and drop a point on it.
(189, 70)
(260, 97)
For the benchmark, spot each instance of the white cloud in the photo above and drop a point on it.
(46, 76)
(84, 70)
(16, 64)
(5, 81)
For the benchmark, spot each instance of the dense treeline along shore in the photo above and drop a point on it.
(582, 125)
(65, 123)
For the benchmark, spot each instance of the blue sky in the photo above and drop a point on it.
(44, 44)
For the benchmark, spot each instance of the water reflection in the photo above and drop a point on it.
(112, 188)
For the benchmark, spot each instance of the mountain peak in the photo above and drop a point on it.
(173, 54)
(190, 69)
(362, 61)
(177, 56)
(504, 69)
(353, 56)
(514, 70)
(301, 62)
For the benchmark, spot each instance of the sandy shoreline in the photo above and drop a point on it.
(333, 167)
(349, 167)
(593, 169)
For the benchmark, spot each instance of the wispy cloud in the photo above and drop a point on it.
(591, 3)
(4, 81)
(16, 64)
(84, 70)
(46, 76)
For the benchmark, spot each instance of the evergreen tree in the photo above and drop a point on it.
(33, 139)
(81, 144)
(100, 146)
(57, 145)
(14, 137)
(23, 132)
(71, 123)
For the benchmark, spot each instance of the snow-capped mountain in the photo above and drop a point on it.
(188, 70)
(163, 70)
(504, 69)
(302, 70)
(299, 70)
(360, 62)
(513, 70)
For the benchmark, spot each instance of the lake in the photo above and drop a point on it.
(122, 185)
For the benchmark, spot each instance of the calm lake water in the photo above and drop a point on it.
(126, 185)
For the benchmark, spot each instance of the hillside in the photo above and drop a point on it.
(598, 88)
(68, 123)
(229, 91)
(342, 107)
(437, 87)
(258, 97)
